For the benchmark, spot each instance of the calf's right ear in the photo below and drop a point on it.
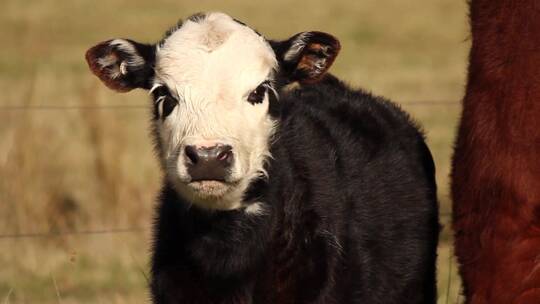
(122, 65)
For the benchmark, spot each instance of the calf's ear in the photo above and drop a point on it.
(122, 64)
(306, 56)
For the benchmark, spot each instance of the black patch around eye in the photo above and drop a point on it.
(257, 96)
(164, 103)
(160, 91)
(168, 105)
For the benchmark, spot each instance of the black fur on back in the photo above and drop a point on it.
(350, 214)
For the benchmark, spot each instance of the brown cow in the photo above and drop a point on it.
(496, 165)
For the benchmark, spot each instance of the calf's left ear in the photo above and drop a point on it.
(307, 56)
(122, 64)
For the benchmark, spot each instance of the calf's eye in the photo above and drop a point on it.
(165, 105)
(257, 96)
(168, 105)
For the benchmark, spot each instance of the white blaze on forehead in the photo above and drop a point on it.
(215, 55)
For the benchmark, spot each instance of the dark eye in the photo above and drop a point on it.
(164, 103)
(160, 90)
(257, 95)
(167, 105)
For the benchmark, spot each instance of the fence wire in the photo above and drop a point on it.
(72, 232)
(70, 107)
(5, 108)
(53, 234)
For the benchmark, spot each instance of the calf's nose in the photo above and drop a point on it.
(208, 163)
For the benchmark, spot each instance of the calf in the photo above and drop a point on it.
(282, 184)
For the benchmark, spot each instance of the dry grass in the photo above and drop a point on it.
(85, 169)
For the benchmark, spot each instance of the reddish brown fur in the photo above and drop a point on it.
(496, 165)
(325, 53)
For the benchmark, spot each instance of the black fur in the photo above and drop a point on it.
(350, 214)
(167, 102)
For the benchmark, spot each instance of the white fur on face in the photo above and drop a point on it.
(211, 66)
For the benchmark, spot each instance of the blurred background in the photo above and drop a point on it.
(77, 172)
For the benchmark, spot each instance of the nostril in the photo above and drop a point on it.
(191, 154)
(224, 155)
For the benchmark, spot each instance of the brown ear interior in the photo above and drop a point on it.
(317, 57)
(104, 61)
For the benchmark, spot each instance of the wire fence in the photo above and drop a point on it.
(144, 106)
(73, 232)
(70, 107)
(52, 234)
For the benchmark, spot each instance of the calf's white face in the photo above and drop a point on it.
(212, 81)
(210, 67)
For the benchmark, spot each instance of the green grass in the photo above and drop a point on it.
(90, 169)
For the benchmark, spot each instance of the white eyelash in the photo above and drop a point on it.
(159, 104)
(269, 86)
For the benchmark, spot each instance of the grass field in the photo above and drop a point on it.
(86, 168)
